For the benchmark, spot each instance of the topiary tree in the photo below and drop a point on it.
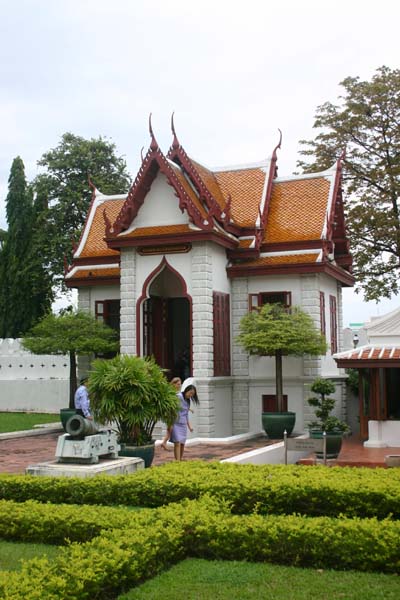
(324, 405)
(71, 333)
(276, 331)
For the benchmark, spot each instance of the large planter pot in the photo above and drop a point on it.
(275, 423)
(144, 452)
(65, 415)
(333, 442)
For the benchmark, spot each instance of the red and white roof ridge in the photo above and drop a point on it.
(98, 199)
(369, 351)
(96, 267)
(263, 165)
(326, 174)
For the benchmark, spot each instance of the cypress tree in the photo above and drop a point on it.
(21, 270)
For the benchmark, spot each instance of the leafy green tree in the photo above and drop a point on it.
(276, 331)
(64, 183)
(72, 333)
(366, 123)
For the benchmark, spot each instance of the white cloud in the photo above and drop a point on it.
(233, 72)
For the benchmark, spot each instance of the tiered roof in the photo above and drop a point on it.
(267, 224)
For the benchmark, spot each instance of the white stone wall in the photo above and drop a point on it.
(240, 358)
(128, 301)
(32, 382)
(203, 343)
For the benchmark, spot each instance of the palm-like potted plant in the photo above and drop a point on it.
(325, 421)
(133, 394)
(274, 330)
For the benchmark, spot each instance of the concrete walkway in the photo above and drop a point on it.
(19, 452)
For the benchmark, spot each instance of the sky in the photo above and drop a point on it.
(233, 72)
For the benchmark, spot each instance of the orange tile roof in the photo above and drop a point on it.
(297, 210)
(210, 181)
(95, 244)
(281, 259)
(246, 189)
(155, 231)
(246, 243)
(95, 273)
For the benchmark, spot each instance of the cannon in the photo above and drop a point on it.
(84, 442)
(78, 427)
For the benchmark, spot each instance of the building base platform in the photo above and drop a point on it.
(116, 466)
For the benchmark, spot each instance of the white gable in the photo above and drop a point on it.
(160, 206)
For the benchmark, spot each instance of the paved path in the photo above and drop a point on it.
(17, 454)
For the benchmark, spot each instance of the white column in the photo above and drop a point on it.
(202, 316)
(128, 301)
(240, 359)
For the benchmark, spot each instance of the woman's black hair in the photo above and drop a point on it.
(194, 398)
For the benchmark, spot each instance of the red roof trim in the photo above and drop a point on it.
(243, 271)
(177, 154)
(96, 260)
(153, 162)
(260, 231)
(75, 282)
(177, 238)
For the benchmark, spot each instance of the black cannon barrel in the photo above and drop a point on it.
(78, 427)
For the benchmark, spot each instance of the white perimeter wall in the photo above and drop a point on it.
(32, 382)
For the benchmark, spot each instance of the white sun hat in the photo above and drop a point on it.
(187, 382)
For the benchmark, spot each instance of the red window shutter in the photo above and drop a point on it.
(322, 312)
(270, 403)
(333, 321)
(222, 344)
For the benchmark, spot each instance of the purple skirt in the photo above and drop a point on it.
(179, 433)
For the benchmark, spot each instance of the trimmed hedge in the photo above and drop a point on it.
(269, 489)
(147, 542)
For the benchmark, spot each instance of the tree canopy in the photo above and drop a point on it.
(276, 331)
(366, 123)
(72, 333)
(25, 293)
(64, 184)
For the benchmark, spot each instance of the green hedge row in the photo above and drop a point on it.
(269, 489)
(146, 542)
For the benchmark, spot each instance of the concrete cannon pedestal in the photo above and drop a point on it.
(116, 466)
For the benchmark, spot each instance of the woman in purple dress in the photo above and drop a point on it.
(187, 395)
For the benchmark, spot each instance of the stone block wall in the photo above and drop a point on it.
(32, 382)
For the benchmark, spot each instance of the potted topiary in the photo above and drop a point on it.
(274, 330)
(132, 393)
(324, 405)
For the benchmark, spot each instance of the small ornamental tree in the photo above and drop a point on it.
(276, 331)
(71, 333)
(324, 406)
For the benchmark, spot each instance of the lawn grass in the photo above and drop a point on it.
(12, 552)
(197, 579)
(19, 421)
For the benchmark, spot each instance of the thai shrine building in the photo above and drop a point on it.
(178, 260)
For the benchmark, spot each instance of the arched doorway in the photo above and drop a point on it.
(166, 321)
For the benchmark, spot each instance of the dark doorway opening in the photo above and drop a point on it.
(167, 325)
